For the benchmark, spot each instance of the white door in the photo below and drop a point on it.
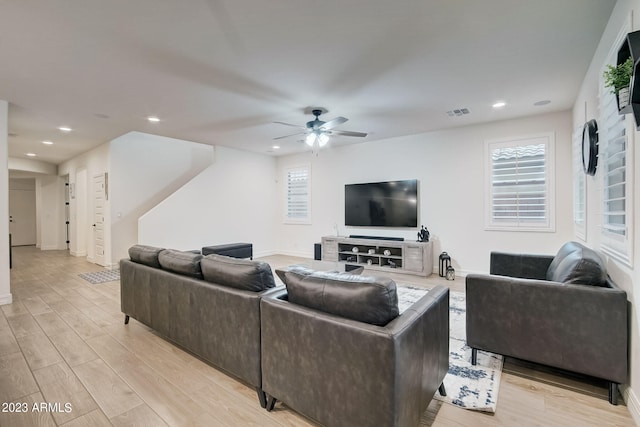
(98, 219)
(22, 217)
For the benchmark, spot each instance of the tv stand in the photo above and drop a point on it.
(380, 254)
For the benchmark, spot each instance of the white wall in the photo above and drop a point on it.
(585, 108)
(5, 287)
(234, 200)
(145, 169)
(450, 167)
(81, 170)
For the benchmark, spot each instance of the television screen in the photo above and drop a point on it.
(382, 204)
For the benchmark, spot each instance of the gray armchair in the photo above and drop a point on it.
(345, 372)
(560, 311)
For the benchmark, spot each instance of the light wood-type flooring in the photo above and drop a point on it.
(63, 342)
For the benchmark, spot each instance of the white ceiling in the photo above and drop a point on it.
(222, 71)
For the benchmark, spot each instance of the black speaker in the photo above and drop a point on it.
(317, 251)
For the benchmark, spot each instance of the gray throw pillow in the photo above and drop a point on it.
(237, 273)
(579, 265)
(366, 299)
(147, 255)
(185, 263)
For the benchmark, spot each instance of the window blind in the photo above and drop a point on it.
(614, 167)
(519, 184)
(298, 194)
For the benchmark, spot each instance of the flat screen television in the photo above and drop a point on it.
(381, 204)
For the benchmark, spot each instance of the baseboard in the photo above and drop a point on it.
(633, 404)
(51, 248)
(78, 254)
(6, 299)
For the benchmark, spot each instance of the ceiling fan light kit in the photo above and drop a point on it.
(318, 131)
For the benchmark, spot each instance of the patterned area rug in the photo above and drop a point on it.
(97, 277)
(470, 387)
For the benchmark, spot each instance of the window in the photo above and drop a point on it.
(520, 180)
(615, 166)
(579, 188)
(298, 194)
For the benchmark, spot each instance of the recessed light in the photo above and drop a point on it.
(499, 104)
(31, 154)
(65, 128)
(541, 103)
(276, 147)
(47, 142)
(153, 119)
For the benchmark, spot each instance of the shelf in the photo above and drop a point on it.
(631, 48)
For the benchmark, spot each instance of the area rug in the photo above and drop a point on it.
(470, 387)
(97, 277)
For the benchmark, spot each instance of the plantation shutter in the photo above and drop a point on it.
(298, 194)
(519, 184)
(614, 168)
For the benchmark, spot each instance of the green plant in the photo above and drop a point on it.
(617, 77)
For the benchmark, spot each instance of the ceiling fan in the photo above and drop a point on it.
(317, 131)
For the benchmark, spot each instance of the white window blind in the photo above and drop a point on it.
(520, 191)
(298, 195)
(614, 161)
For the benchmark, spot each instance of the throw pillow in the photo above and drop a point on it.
(366, 299)
(185, 263)
(147, 255)
(237, 273)
(579, 265)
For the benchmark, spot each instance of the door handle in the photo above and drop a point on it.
(94, 225)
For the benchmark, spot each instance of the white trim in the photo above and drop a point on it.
(631, 399)
(78, 254)
(6, 299)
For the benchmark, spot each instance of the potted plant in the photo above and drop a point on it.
(617, 78)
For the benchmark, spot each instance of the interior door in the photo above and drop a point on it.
(98, 218)
(22, 217)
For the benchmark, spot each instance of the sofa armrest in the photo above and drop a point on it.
(575, 327)
(523, 266)
(324, 366)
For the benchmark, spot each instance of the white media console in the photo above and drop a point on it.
(383, 255)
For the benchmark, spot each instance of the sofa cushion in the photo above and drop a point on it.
(237, 273)
(294, 270)
(577, 264)
(185, 263)
(366, 299)
(147, 255)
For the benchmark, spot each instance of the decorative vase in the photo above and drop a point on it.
(387, 252)
(355, 250)
(451, 273)
(369, 262)
(372, 251)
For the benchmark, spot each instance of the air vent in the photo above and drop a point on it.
(458, 112)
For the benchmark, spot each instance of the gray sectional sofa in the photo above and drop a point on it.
(332, 346)
(208, 305)
(562, 311)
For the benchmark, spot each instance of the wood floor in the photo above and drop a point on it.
(63, 345)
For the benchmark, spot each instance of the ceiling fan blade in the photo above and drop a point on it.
(289, 124)
(287, 136)
(333, 123)
(348, 133)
